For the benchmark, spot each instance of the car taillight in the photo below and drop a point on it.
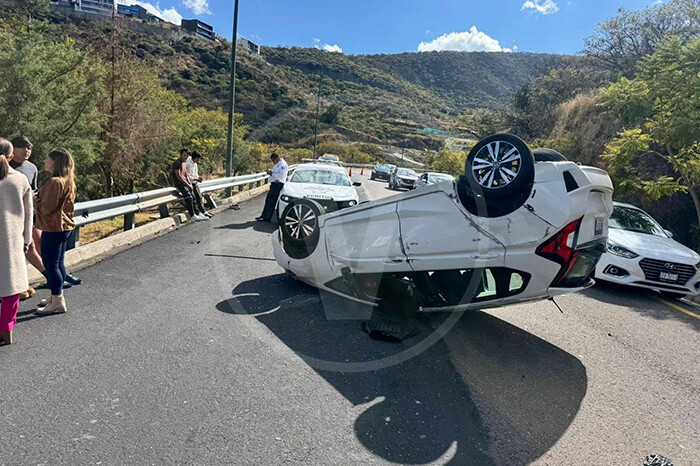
(561, 249)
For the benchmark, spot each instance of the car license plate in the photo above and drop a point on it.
(599, 222)
(669, 277)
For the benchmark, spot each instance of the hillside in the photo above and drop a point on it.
(379, 98)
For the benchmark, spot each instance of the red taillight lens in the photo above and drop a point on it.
(560, 247)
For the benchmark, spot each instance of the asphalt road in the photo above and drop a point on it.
(195, 349)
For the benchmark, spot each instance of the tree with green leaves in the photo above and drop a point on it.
(50, 92)
(662, 117)
(619, 43)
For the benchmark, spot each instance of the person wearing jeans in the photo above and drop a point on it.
(16, 212)
(54, 217)
(182, 182)
(195, 179)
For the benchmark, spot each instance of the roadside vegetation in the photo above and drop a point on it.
(626, 103)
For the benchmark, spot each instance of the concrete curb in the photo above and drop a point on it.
(90, 254)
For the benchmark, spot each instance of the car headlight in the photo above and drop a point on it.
(620, 251)
(352, 203)
(286, 198)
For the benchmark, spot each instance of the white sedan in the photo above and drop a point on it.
(509, 230)
(641, 253)
(325, 183)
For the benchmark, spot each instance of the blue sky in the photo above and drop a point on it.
(393, 26)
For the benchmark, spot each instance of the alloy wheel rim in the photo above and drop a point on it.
(497, 165)
(300, 221)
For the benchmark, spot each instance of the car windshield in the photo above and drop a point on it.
(320, 177)
(329, 157)
(439, 178)
(405, 172)
(385, 168)
(624, 218)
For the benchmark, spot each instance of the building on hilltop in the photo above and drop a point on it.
(73, 5)
(137, 12)
(249, 46)
(198, 28)
(100, 7)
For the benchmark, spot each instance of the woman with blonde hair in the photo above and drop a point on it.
(16, 211)
(54, 217)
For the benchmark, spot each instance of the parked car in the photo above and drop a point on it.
(326, 183)
(402, 178)
(426, 179)
(381, 171)
(641, 253)
(509, 230)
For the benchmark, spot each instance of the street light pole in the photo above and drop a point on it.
(318, 108)
(232, 96)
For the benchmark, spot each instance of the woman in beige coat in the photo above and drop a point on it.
(16, 212)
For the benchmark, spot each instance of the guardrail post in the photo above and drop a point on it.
(163, 209)
(74, 239)
(129, 222)
(258, 183)
(251, 186)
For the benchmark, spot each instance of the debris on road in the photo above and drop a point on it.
(657, 460)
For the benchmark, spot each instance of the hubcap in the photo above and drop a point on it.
(497, 164)
(300, 221)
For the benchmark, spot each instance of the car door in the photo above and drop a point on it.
(437, 233)
(365, 240)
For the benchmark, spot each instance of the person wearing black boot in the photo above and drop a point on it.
(278, 176)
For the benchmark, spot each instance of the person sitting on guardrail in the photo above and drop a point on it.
(55, 207)
(16, 212)
(182, 182)
(278, 176)
(195, 179)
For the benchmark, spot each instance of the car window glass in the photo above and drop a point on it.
(624, 218)
(406, 172)
(320, 177)
(439, 178)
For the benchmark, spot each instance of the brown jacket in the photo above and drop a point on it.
(54, 206)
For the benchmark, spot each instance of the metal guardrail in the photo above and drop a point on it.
(128, 205)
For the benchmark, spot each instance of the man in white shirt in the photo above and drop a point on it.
(195, 179)
(278, 176)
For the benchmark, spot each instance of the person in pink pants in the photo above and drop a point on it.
(8, 317)
(16, 212)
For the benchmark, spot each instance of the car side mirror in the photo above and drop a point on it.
(356, 183)
(669, 233)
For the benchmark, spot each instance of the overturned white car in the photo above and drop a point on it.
(509, 230)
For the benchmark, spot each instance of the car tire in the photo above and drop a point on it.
(300, 227)
(371, 177)
(544, 154)
(487, 196)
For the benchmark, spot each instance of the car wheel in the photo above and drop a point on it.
(548, 155)
(300, 227)
(499, 175)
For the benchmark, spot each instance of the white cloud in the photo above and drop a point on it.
(545, 7)
(317, 42)
(332, 48)
(198, 7)
(170, 15)
(472, 40)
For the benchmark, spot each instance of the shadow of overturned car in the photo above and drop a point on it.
(459, 399)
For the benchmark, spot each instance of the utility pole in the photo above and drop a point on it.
(318, 108)
(232, 95)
